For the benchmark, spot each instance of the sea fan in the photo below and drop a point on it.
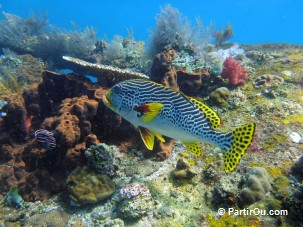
(175, 30)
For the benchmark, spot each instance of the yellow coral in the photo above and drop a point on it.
(231, 220)
(293, 119)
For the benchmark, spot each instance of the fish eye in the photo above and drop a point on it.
(117, 90)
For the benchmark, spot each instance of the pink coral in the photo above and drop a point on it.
(234, 72)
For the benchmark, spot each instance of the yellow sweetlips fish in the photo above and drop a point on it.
(156, 110)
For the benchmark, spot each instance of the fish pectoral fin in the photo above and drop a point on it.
(195, 148)
(147, 137)
(159, 137)
(148, 111)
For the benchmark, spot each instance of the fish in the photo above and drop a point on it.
(2, 114)
(28, 124)
(157, 111)
(45, 139)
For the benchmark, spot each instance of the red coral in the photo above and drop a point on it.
(234, 72)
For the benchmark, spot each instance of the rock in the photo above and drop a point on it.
(294, 137)
(297, 169)
(182, 171)
(267, 80)
(54, 217)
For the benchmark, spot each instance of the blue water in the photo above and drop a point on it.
(254, 21)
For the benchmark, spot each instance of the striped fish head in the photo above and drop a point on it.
(120, 99)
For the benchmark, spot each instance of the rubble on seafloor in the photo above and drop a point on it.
(155, 188)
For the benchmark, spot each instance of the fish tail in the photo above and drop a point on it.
(235, 144)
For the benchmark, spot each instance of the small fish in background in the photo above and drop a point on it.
(28, 124)
(2, 104)
(45, 139)
(2, 114)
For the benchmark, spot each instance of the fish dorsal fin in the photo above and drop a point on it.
(210, 114)
(194, 148)
(148, 111)
(147, 137)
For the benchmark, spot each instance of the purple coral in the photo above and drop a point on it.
(132, 190)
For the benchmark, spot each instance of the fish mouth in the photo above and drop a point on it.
(106, 99)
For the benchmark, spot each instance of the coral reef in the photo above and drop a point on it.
(161, 63)
(223, 35)
(153, 187)
(234, 72)
(136, 201)
(267, 80)
(86, 186)
(220, 96)
(19, 71)
(182, 80)
(297, 170)
(35, 36)
(124, 53)
(107, 75)
(14, 122)
(182, 171)
(173, 30)
(164, 70)
(257, 186)
(99, 158)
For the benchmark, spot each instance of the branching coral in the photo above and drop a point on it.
(10, 80)
(124, 53)
(223, 35)
(17, 33)
(114, 50)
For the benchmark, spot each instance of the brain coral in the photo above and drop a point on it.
(257, 186)
(86, 186)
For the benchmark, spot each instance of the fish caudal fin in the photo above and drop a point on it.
(241, 138)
